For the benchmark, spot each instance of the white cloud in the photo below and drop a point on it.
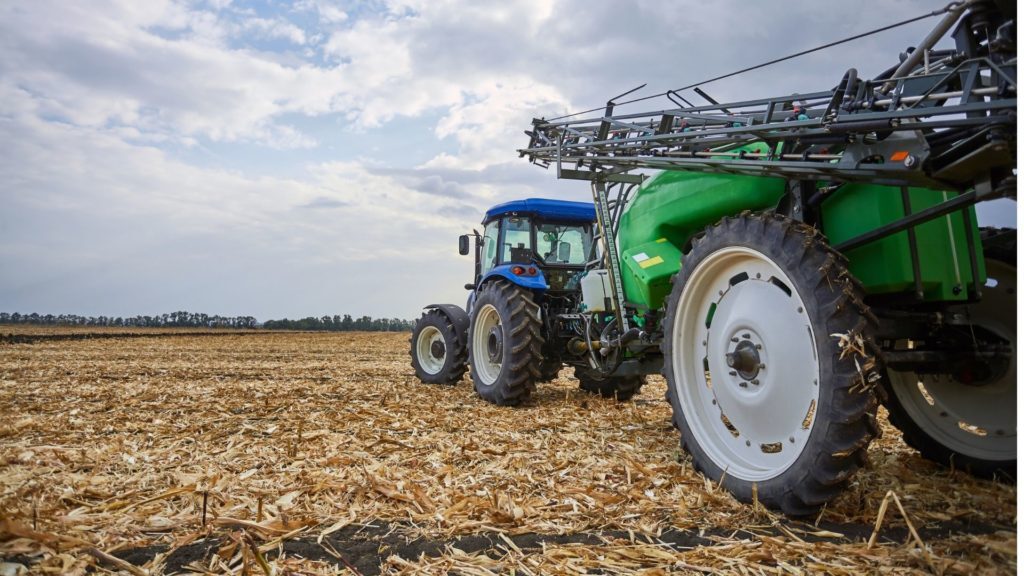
(274, 28)
(114, 209)
(490, 126)
(383, 131)
(100, 70)
(328, 12)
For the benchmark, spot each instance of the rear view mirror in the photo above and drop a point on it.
(564, 250)
(464, 244)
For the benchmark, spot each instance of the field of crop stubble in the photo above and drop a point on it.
(318, 453)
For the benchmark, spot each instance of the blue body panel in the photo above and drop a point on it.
(537, 282)
(561, 210)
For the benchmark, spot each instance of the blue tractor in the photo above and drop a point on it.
(520, 325)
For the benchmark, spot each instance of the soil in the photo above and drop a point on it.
(364, 549)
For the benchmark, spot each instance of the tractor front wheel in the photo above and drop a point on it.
(767, 365)
(438, 354)
(505, 343)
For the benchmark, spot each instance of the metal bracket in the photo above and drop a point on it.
(611, 251)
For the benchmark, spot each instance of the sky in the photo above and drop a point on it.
(318, 157)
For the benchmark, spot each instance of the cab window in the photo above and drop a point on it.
(517, 235)
(488, 258)
(563, 244)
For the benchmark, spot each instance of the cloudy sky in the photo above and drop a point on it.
(290, 159)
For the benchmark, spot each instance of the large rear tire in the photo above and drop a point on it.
(764, 390)
(622, 388)
(549, 370)
(967, 425)
(438, 354)
(505, 343)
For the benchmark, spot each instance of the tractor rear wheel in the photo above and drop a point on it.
(622, 388)
(968, 421)
(505, 343)
(549, 370)
(768, 374)
(438, 354)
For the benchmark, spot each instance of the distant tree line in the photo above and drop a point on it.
(183, 319)
(344, 323)
(172, 320)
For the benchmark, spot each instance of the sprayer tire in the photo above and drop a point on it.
(768, 400)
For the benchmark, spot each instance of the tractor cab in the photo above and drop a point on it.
(535, 243)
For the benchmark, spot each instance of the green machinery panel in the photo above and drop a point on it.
(885, 265)
(667, 210)
(647, 272)
(672, 206)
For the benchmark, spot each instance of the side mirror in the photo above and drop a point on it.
(464, 244)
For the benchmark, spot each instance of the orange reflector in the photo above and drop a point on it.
(518, 270)
(899, 156)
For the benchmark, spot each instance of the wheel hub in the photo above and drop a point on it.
(745, 360)
(430, 350)
(437, 349)
(494, 344)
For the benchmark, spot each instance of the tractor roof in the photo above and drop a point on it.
(546, 209)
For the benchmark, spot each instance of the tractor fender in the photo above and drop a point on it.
(537, 282)
(457, 316)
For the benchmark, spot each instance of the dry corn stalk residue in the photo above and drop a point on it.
(321, 453)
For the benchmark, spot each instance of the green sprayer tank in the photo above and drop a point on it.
(670, 207)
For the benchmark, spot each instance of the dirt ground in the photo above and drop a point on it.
(312, 453)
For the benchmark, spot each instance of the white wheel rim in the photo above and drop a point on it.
(487, 318)
(976, 421)
(753, 432)
(428, 336)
